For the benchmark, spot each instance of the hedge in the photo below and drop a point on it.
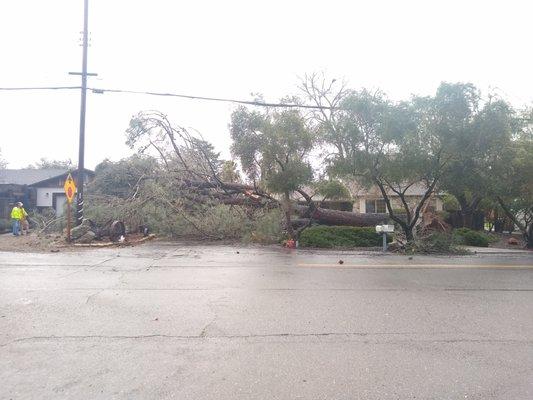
(471, 238)
(340, 236)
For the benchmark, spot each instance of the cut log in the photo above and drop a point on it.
(344, 218)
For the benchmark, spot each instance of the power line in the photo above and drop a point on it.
(40, 88)
(183, 96)
(178, 95)
(219, 99)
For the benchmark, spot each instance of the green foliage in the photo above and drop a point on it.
(476, 132)
(177, 149)
(449, 202)
(46, 221)
(229, 172)
(225, 222)
(273, 147)
(102, 209)
(214, 221)
(443, 215)
(470, 238)
(493, 237)
(387, 144)
(434, 243)
(512, 171)
(45, 163)
(121, 178)
(267, 228)
(340, 236)
(332, 190)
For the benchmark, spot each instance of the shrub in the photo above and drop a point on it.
(46, 220)
(103, 209)
(493, 237)
(214, 222)
(470, 238)
(434, 243)
(450, 203)
(224, 221)
(267, 227)
(340, 236)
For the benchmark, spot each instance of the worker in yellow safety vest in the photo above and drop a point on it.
(24, 223)
(16, 217)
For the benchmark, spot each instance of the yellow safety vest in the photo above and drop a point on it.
(16, 213)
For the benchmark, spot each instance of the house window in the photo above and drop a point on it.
(370, 206)
(381, 206)
(376, 206)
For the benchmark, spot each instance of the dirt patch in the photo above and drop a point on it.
(31, 243)
(50, 243)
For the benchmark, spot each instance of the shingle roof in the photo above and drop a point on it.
(28, 176)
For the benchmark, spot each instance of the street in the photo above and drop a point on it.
(175, 321)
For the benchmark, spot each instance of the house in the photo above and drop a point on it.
(370, 200)
(36, 188)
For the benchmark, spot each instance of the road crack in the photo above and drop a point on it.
(347, 335)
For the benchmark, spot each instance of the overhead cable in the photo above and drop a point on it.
(183, 96)
(41, 88)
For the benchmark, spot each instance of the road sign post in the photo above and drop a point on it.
(69, 217)
(70, 191)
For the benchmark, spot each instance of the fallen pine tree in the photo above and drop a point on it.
(326, 216)
(252, 195)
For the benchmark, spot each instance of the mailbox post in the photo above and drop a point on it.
(384, 229)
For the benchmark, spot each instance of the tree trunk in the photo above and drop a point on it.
(526, 228)
(287, 209)
(528, 236)
(409, 237)
(335, 217)
(467, 210)
(467, 216)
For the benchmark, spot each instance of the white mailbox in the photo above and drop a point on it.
(388, 228)
(384, 228)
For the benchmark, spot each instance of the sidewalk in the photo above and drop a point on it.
(494, 250)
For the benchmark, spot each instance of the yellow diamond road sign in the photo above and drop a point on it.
(70, 188)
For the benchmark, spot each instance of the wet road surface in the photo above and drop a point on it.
(164, 321)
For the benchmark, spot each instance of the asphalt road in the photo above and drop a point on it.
(164, 321)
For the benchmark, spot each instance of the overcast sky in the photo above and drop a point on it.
(231, 49)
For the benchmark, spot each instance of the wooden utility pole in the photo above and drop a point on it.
(81, 155)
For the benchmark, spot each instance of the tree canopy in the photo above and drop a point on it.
(477, 132)
(45, 163)
(273, 148)
(392, 145)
